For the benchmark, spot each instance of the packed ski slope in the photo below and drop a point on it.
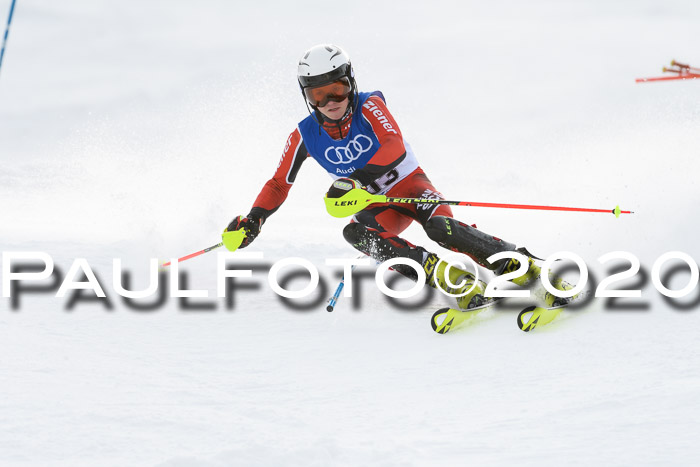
(135, 130)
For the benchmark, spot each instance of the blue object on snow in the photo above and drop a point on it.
(7, 32)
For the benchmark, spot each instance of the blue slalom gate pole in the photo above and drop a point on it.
(7, 32)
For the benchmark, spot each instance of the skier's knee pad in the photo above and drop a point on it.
(458, 236)
(354, 232)
(436, 228)
(371, 243)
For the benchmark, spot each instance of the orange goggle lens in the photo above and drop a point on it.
(337, 91)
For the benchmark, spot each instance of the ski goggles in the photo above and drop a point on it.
(337, 91)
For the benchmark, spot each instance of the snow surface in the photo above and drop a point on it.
(138, 129)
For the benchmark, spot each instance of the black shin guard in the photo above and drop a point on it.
(369, 242)
(456, 236)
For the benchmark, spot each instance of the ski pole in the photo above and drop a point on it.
(193, 255)
(357, 199)
(7, 32)
(232, 240)
(332, 301)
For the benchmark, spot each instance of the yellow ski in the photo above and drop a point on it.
(446, 319)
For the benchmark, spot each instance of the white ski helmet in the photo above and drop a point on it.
(324, 64)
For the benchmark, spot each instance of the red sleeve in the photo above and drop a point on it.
(276, 189)
(376, 113)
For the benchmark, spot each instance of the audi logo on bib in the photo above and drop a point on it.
(347, 154)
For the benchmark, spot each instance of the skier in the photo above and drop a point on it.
(354, 137)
